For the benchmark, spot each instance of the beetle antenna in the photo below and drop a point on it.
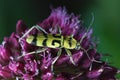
(91, 23)
(88, 28)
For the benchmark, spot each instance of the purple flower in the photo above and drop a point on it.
(4, 55)
(5, 72)
(14, 63)
(59, 17)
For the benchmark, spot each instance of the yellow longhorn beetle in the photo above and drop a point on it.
(54, 41)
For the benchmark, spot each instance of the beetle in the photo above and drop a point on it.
(54, 41)
(51, 41)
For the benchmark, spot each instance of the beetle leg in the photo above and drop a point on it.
(40, 29)
(70, 55)
(34, 52)
(71, 36)
(59, 30)
(58, 55)
(34, 27)
(91, 59)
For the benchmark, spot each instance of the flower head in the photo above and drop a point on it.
(16, 60)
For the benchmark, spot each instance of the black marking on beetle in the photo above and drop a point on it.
(70, 41)
(56, 41)
(44, 42)
(45, 35)
(56, 36)
(34, 41)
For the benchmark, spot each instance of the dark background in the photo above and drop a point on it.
(106, 25)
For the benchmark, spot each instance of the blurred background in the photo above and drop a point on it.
(106, 25)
